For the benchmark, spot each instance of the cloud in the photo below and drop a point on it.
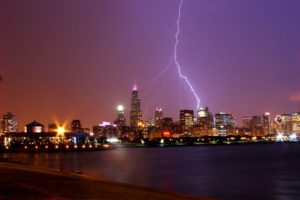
(295, 97)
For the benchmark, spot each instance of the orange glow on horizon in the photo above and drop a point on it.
(166, 133)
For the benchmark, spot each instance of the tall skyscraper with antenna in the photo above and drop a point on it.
(135, 113)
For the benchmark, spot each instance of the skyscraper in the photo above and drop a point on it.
(186, 119)
(247, 122)
(135, 113)
(266, 123)
(204, 118)
(9, 123)
(120, 121)
(224, 123)
(158, 117)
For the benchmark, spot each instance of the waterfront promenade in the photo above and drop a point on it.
(19, 181)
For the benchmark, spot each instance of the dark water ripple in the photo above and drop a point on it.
(257, 171)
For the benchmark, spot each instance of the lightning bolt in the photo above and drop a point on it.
(175, 57)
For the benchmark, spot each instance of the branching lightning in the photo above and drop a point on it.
(173, 61)
(175, 56)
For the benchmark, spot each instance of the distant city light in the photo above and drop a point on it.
(120, 108)
(104, 123)
(279, 137)
(293, 137)
(113, 140)
(60, 131)
(166, 133)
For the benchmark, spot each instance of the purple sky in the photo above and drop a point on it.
(62, 60)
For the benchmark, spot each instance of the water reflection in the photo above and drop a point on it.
(269, 171)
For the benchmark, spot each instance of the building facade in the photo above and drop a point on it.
(76, 126)
(186, 119)
(135, 113)
(205, 118)
(225, 123)
(9, 123)
(34, 127)
(120, 121)
(266, 123)
(158, 116)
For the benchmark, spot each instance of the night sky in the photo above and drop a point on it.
(72, 59)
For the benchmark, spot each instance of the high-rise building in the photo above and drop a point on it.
(135, 113)
(225, 123)
(246, 120)
(285, 123)
(266, 123)
(204, 118)
(288, 123)
(186, 119)
(158, 116)
(76, 126)
(256, 125)
(296, 123)
(9, 123)
(167, 123)
(120, 121)
(256, 121)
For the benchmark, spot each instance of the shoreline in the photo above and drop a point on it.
(135, 145)
(23, 181)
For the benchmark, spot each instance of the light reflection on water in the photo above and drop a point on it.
(269, 171)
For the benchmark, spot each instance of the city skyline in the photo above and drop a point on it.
(63, 60)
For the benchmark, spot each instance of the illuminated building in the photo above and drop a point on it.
(34, 127)
(246, 122)
(288, 123)
(296, 123)
(256, 125)
(52, 128)
(98, 131)
(9, 123)
(186, 119)
(120, 121)
(284, 123)
(85, 130)
(158, 116)
(266, 123)
(204, 118)
(76, 126)
(225, 123)
(105, 129)
(135, 113)
(167, 123)
(204, 123)
(150, 123)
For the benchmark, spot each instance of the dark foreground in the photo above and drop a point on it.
(26, 182)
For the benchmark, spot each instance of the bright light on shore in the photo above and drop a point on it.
(293, 137)
(279, 137)
(60, 131)
(113, 140)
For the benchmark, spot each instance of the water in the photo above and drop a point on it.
(256, 171)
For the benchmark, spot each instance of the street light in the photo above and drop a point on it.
(61, 133)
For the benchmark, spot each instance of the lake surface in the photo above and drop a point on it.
(253, 171)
